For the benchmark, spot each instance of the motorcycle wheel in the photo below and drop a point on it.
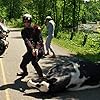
(2, 47)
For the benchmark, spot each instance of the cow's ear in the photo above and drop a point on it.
(52, 80)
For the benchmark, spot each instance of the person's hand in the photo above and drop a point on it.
(38, 45)
(33, 52)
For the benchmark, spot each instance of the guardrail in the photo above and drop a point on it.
(88, 29)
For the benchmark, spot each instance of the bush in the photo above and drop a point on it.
(90, 51)
(15, 23)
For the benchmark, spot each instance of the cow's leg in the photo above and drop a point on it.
(84, 87)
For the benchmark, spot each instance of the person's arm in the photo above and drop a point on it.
(28, 43)
(41, 38)
(50, 29)
(26, 40)
(40, 42)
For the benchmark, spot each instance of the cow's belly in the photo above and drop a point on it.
(77, 88)
(87, 84)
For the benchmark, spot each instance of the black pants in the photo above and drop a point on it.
(26, 60)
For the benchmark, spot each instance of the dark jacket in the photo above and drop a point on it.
(31, 36)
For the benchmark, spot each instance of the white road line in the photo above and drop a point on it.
(4, 79)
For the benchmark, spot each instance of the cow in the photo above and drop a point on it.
(72, 76)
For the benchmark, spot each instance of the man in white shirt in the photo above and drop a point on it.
(50, 28)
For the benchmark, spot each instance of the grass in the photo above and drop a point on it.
(90, 51)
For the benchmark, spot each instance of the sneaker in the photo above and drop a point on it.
(23, 74)
(46, 54)
(31, 84)
(53, 56)
(43, 56)
(42, 79)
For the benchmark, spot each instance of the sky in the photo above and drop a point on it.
(87, 0)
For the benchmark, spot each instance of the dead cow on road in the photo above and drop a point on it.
(73, 76)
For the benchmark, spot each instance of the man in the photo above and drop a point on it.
(33, 40)
(50, 28)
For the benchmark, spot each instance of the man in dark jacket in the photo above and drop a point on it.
(33, 40)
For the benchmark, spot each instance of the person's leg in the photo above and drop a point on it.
(37, 68)
(47, 44)
(23, 66)
(51, 49)
(43, 51)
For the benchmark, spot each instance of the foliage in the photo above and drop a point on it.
(90, 51)
(66, 13)
(15, 23)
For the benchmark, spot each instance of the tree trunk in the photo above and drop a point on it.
(63, 21)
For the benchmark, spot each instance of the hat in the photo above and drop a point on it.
(27, 17)
(48, 18)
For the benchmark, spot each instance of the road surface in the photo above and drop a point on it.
(14, 88)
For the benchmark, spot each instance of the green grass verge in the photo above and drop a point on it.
(90, 51)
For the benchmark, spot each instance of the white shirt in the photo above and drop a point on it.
(51, 28)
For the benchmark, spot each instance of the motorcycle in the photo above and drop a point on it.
(3, 38)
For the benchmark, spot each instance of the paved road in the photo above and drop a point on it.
(11, 86)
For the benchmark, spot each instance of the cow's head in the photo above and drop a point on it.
(58, 78)
(52, 85)
(43, 86)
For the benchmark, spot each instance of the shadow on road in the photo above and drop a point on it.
(92, 94)
(63, 60)
(17, 37)
(47, 63)
(17, 85)
(39, 95)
